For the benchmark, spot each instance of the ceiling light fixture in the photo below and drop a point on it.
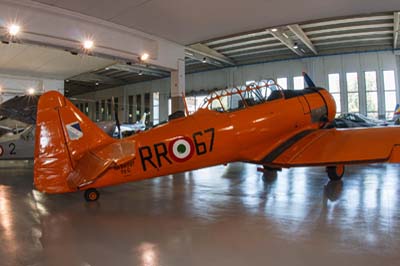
(88, 44)
(97, 83)
(295, 46)
(204, 60)
(31, 91)
(274, 30)
(140, 73)
(14, 29)
(144, 56)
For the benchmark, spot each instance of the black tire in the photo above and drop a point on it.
(269, 175)
(91, 195)
(335, 173)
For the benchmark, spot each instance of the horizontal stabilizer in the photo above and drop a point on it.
(95, 162)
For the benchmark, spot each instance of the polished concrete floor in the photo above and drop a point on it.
(225, 215)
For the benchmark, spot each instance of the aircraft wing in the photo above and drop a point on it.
(95, 162)
(338, 146)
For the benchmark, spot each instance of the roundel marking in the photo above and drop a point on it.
(181, 149)
(1, 150)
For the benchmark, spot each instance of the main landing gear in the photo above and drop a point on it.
(335, 173)
(268, 172)
(91, 195)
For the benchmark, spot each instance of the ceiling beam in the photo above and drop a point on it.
(142, 69)
(396, 26)
(205, 51)
(297, 30)
(345, 35)
(345, 21)
(286, 41)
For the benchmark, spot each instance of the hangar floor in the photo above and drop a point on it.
(215, 216)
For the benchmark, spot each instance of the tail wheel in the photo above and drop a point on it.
(335, 173)
(91, 194)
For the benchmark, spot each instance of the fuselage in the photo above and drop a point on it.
(210, 137)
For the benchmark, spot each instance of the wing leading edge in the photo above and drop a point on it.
(338, 146)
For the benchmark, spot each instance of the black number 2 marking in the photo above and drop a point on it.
(12, 147)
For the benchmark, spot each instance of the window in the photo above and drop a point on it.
(97, 111)
(130, 109)
(282, 82)
(334, 89)
(298, 83)
(138, 107)
(102, 110)
(372, 94)
(191, 104)
(390, 92)
(86, 108)
(169, 106)
(146, 108)
(108, 118)
(353, 103)
(156, 108)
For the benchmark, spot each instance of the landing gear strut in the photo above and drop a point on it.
(268, 172)
(336, 172)
(91, 195)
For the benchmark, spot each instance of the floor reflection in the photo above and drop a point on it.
(224, 215)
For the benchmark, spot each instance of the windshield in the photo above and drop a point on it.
(232, 99)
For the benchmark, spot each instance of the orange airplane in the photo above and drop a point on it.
(255, 124)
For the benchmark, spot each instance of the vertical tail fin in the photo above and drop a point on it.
(63, 136)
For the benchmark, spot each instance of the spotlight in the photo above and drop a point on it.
(295, 46)
(67, 80)
(107, 68)
(274, 30)
(31, 91)
(14, 29)
(140, 73)
(88, 44)
(144, 56)
(204, 60)
(97, 83)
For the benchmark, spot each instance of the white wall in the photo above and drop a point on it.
(317, 67)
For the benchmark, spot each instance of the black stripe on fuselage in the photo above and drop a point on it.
(284, 146)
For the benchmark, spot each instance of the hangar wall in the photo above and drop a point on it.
(318, 67)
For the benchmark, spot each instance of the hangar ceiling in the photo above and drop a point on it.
(36, 61)
(188, 22)
(251, 33)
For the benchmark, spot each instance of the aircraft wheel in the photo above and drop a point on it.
(269, 174)
(91, 195)
(335, 173)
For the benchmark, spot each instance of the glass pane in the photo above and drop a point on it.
(352, 82)
(336, 96)
(334, 82)
(199, 100)
(370, 81)
(389, 115)
(372, 102)
(353, 103)
(282, 82)
(298, 83)
(169, 106)
(388, 80)
(390, 100)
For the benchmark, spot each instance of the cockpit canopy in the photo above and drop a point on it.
(231, 99)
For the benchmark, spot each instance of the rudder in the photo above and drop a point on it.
(63, 136)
